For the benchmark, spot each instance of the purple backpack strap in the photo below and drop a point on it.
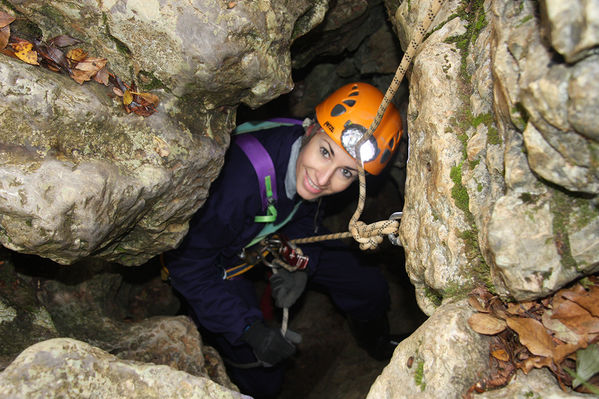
(262, 164)
(286, 121)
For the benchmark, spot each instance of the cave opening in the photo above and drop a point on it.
(93, 299)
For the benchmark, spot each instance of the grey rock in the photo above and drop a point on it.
(446, 359)
(71, 368)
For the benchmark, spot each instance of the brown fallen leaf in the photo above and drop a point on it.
(147, 99)
(5, 19)
(486, 324)
(477, 304)
(559, 329)
(575, 316)
(63, 41)
(589, 300)
(520, 308)
(102, 76)
(533, 335)
(500, 354)
(80, 76)
(76, 55)
(4, 36)
(536, 362)
(91, 64)
(117, 91)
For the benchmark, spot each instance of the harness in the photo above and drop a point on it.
(284, 254)
(266, 247)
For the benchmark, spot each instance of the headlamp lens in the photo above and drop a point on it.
(351, 135)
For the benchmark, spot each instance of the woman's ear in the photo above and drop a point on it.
(312, 129)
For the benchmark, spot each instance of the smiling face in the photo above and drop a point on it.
(323, 168)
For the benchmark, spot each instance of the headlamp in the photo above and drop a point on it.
(351, 135)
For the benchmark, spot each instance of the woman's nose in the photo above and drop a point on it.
(324, 176)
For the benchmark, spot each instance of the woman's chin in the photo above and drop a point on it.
(307, 195)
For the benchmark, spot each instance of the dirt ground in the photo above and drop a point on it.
(329, 364)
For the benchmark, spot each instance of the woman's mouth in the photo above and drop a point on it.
(310, 185)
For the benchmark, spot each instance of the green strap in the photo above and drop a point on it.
(271, 211)
(271, 227)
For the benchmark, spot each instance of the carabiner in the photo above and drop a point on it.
(394, 238)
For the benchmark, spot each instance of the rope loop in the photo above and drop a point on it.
(370, 236)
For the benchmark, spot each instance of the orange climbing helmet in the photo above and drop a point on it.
(346, 116)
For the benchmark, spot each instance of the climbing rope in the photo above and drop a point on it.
(369, 236)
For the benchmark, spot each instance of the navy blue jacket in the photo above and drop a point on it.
(225, 224)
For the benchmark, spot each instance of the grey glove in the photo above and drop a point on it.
(287, 286)
(269, 345)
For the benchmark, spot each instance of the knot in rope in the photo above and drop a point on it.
(369, 236)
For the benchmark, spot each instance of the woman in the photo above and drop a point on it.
(310, 162)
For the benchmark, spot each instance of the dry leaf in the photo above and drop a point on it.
(589, 300)
(24, 51)
(117, 91)
(533, 335)
(127, 97)
(535, 362)
(562, 351)
(519, 308)
(477, 304)
(501, 354)
(559, 329)
(4, 36)
(80, 76)
(77, 54)
(486, 324)
(63, 41)
(91, 64)
(149, 99)
(5, 19)
(102, 76)
(575, 317)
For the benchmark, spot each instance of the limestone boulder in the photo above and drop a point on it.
(441, 359)
(81, 178)
(501, 139)
(64, 366)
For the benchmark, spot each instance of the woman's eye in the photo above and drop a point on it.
(347, 173)
(324, 152)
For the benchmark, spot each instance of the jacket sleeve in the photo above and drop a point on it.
(195, 268)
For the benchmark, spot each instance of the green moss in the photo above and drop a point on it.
(419, 375)
(586, 283)
(561, 207)
(458, 191)
(586, 212)
(529, 198)
(433, 296)
(475, 22)
(524, 20)
(485, 119)
(456, 290)
(148, 81)
(479, 187)
(493, 137)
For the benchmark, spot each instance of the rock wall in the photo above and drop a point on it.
(81, 178)
(501, 185)
(70, 368)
